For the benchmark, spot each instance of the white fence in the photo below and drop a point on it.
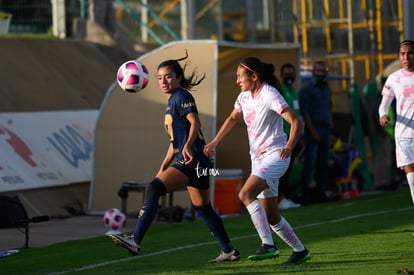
(5, 19)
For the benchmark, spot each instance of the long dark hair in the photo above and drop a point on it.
(186, 82)
(265, 71)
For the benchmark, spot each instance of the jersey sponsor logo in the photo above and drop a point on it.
(408, 90)
(187, 105)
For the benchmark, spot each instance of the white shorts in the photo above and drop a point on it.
(404, 150)
(270, 168)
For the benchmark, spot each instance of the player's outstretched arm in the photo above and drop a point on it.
(209, 149)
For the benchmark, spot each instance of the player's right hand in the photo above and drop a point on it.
(384, 120)
(209, 150)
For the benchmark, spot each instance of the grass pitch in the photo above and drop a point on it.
(372, 234)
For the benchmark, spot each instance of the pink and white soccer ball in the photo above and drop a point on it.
(132, 76)
(114, 219)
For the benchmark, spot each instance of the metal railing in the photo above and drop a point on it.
(138, 20)
(36, 16)
(149, 18)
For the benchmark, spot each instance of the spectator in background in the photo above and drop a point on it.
(288, 75)
(315, 108)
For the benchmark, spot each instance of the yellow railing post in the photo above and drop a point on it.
(304, 29)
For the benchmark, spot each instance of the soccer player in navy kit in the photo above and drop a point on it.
(183, 127)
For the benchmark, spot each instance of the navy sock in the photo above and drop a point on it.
(216, 226)
(146, 215)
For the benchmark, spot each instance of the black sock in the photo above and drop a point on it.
(147, 213)
(216, 226)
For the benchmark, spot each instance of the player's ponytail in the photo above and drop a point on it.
(186, 82)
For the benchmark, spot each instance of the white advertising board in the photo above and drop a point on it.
(42, 149)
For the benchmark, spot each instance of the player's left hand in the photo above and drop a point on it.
(285, 153)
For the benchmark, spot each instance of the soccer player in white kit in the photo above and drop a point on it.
(263, 109)
(400, 86)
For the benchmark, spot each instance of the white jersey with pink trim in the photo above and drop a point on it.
(261, 114)
(400, 85)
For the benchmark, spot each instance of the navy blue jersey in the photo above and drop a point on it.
(177, 127)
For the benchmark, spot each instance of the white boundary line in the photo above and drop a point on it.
(165, 251)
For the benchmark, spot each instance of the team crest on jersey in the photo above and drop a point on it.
(141, 212)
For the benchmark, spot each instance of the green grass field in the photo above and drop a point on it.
(373, 234)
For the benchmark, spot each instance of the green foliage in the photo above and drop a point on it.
(372, 234)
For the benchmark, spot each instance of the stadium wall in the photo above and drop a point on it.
(51, 87)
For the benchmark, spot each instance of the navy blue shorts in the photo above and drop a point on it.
(197, 173)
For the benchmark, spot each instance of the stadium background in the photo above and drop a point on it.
(358, 46)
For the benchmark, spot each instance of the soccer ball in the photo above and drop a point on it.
(132, 76)
(114, 219)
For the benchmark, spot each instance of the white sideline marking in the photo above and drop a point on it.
(215, 242)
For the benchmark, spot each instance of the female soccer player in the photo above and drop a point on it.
(183, 127)
(400, 86)
(263, 109)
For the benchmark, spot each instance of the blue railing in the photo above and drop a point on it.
(154, 16)
(133, 15)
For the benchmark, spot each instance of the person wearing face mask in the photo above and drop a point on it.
(315, 108)
(288, 75)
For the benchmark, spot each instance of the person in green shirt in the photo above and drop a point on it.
(288, 75)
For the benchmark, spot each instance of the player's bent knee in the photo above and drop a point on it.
(156, 185)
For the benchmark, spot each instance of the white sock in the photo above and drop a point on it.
(410, 179)
(286, 233)
(259, 219)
